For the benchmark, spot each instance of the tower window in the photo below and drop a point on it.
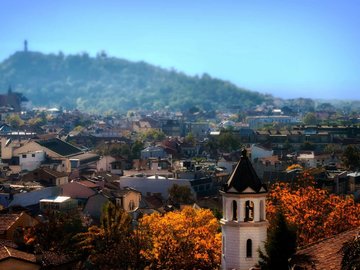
(248, 248)
(249, 211)
(262, 210)
(234, 208)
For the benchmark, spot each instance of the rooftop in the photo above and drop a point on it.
(60, 147)
(324, 255)
(8, 252)
(6, 220)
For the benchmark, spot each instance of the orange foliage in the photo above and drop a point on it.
(187, 239)
(316, 213)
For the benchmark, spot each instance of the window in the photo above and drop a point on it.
(131, 205)
(234, 208)
(248, 248)
(23, 156)
(33, 155)
(249, 211)
(262, 210)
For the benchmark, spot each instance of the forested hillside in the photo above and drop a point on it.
(102, 83)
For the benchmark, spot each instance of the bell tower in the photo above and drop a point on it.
(244, 224)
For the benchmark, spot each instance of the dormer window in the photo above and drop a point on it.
(249, 211)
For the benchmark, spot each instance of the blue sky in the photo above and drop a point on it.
(293, 48)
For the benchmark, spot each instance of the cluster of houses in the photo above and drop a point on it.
(55, 166)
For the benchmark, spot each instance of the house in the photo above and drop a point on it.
(13, 259)
(128, 199)
(260, 151)
(94, 205)
(354, 181)
(58, 204)
(153, 152)
(79, 190)
(10, 222)
(29, 161)
(199, 129)
(60, 155)
(228, 161)
(47, 177)
(114, 165)
(259, 121)
(54, 149)
(26, 199)
(154, 184)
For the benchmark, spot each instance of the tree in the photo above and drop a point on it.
(315, 213)
(187, 239)
(14, 120)
(229, 142)
(190, 138)
(110, 246)
(351, 157)
(56, 233)
(136, 148)
(310, 119)
(351, 254)
(180, 194)
(280, 244)
(152, 135)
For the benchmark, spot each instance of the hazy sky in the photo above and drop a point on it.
(289, 48)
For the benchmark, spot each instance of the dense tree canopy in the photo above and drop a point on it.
(188, 239)
(105, 83)
(316, 213)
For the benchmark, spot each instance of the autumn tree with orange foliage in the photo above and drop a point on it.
(187, 239)
(316, 213)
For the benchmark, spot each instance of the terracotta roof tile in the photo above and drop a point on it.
(6, 220)
(324, 255)
(8, 252)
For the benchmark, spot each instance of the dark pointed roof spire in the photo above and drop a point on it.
(244, 177)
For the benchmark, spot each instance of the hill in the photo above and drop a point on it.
(102, 83)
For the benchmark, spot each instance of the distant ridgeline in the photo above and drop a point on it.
(105, 83)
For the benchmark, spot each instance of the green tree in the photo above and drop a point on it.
(152, 135)
(180, 194)
(14, 120)
(351, 157)
(228, 142)
(136, 148)
(280, 244)
(351, 254)
(190, 138)
(310, 119)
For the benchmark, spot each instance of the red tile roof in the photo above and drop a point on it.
(88, 184)
(324, 255)
(8, 252)
(6, 220)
